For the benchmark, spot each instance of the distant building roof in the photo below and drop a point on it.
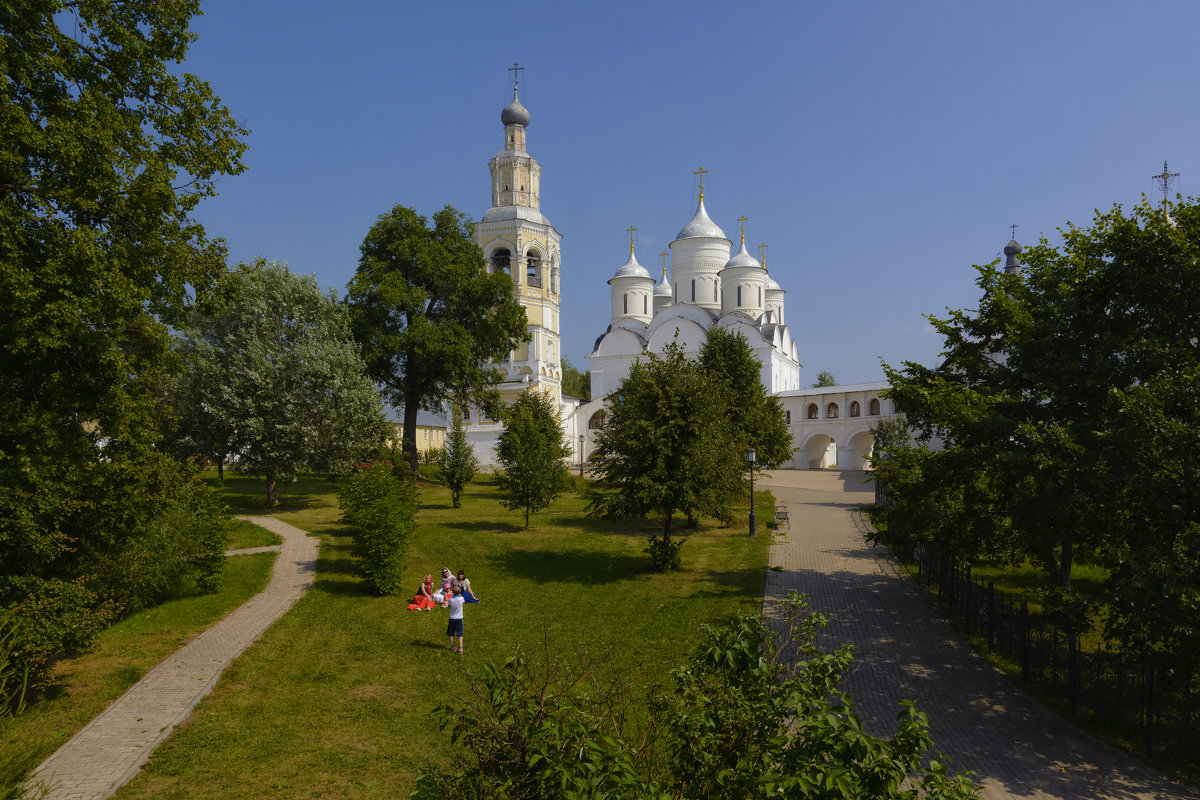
(425, 419)
(849, 388)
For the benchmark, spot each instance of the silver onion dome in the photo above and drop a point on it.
(701, 227)
(514, 113)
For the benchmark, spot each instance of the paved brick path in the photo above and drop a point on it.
(108, 752)
(1016, 747)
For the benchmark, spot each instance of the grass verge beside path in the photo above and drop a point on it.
(86, 684)
(242, 534)
(336, 699)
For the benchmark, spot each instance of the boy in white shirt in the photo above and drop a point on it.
(455, 626)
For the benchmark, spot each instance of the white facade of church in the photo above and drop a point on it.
(708, 286)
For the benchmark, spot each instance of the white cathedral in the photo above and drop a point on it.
(830, 426)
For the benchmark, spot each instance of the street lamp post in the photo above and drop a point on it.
(753, 520)
(581, 455)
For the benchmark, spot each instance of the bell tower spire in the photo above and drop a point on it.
(516, 238)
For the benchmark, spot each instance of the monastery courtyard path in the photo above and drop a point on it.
(1016, 747)
(110, 749)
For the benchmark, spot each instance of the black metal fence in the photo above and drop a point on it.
(1139, 694)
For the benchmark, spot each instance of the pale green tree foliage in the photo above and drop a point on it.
(757, 418)
(457, 462)
(532, 452)
(105, 150)
(824, 378)
(275, 363)
(750, 714)
(1068, 406)
(429, 316)
(576, 383)
(667, 447)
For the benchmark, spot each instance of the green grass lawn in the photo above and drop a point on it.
(336, 699)
(85, 684)
(242, 534)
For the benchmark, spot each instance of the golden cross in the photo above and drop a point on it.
(742, 222)
(762, 248)
(631, 229)
(701, 172)
(664, 260)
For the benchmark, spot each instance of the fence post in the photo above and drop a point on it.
(1073, 671)
(1148, 708)
(991, 616)
(970, 615)
(1024, 634)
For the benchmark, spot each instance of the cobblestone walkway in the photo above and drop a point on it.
(108, 752)
(1016, 747)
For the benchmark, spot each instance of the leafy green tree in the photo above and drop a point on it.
(457, 462)
(429, 316)
(825, 378)
(532, 452)
(749, 714)
(107, 149)
(276, 364)
(759, 421)
(1065, 405)
(576, 383)
(667, 446)
(379, 507)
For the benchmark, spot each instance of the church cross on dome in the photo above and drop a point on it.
(631, 229)
(664, 262)
(742, 220)
(1164, 182)
(516, 69)
(762, 248)
(1014, 230)
(701, 172)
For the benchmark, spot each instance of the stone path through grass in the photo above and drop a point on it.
(1016, 747)
(108, 752)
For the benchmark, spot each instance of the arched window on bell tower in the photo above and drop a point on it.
(533, 269)
(501, 260)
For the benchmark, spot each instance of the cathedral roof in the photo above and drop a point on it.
(662, 288)
(701, 227)
(632, 269)
(514, 113)
(773, 285)
(743, 259)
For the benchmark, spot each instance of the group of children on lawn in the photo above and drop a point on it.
(454, 591)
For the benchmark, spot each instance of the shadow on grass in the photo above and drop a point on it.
(485, 526)
(572, 566)
(334, 588)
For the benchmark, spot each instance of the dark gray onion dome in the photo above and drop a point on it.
(514, 113)
(1012, 264)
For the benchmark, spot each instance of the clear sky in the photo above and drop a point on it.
(878, 148)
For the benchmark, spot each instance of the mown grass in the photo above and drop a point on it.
(242, 534)
(337, 699)
(84, 685)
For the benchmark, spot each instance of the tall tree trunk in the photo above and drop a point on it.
(221, 469)
(1068, 557)
(526, 517)
(272, 488)
(667, 527)
(409, 445)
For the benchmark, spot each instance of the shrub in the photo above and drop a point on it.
(379, 508)
(457, 462)
(664, 553)
(749, 714)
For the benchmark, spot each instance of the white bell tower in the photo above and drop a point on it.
(518, 239)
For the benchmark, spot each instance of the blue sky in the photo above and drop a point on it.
(879, 148)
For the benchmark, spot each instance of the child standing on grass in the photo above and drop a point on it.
(455, 626)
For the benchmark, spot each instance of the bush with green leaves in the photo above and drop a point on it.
(456, 462)
(750, 714)
(664, 553)
(532, 452)
(379, 507)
